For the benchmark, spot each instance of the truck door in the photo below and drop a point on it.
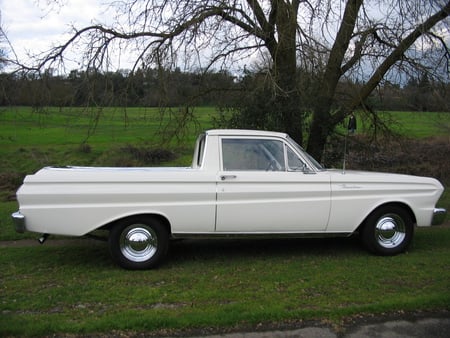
(264, 186)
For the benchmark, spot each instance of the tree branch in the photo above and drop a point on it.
(333, 69)
(397, 54)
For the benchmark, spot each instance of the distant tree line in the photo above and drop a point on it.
(418, 94)
(151, 88)
(247, 95)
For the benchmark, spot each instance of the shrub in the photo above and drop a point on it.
(148, 156)
(424, 157)
(8, 185)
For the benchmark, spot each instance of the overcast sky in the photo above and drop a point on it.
(32, 26)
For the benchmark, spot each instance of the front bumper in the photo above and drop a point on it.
(439, 215)
(19, 222)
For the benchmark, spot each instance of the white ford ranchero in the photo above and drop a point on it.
(241, 183)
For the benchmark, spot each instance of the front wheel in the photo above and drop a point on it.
(388, 231)
(138, 243)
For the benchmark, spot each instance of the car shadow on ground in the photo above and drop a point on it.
(93, 253)
(213, 249)
(89, 252)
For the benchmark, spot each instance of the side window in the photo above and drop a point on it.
(294, 162)
(201, 150)
(252, 154)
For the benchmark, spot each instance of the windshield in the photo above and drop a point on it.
(308, 156)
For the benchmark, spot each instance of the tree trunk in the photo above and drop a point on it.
(284, 68)
(321, 125)
(324, 122)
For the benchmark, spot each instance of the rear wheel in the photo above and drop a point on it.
(138, 243)
(388, 231)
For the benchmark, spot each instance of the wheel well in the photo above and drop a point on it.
(163, 220)
(391, 204)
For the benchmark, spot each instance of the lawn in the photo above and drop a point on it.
(74, 288)
(421, 124)
(30, 140)
(71, 287)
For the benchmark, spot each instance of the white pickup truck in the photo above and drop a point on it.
(241, 183)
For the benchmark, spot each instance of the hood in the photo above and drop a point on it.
(361, 177)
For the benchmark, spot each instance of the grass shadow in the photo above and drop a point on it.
(238, 249)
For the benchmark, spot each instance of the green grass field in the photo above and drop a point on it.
(421, 124)
(30, 140)
(72, 287)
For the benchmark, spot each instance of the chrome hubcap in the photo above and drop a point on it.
(390, 231)
(138, 243)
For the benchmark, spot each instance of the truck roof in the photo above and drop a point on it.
(244, 132)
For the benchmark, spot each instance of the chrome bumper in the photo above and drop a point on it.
(19, 222)
(439, 215)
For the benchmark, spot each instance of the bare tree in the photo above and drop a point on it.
(3, 40)
(363, 40)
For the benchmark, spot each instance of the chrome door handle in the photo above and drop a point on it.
(227, 177)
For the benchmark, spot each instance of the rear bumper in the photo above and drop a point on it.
(19, 222)
(439, 215)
